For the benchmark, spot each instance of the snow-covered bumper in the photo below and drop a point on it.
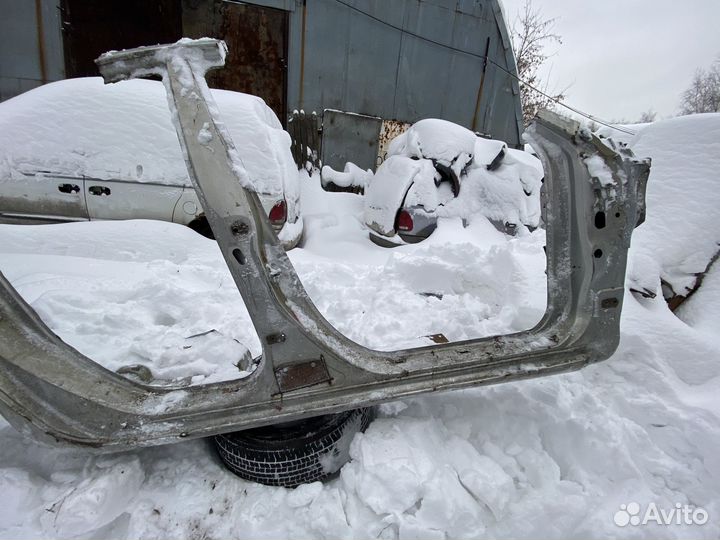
(307, 368)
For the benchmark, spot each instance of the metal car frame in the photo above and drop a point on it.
(307, 368)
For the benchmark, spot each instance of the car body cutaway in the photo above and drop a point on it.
(307, 368)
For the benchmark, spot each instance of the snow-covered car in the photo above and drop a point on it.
(79, 150)
(440, 169)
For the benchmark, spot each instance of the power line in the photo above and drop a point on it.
(487, 59)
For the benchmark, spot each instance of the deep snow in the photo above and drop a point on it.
(682, 232)
(550, 458)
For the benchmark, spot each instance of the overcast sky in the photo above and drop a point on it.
(623, 57)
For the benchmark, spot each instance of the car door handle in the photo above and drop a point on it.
(68, 188)
(99, 190)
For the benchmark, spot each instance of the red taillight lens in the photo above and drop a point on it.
(278, 213)
(404, 221)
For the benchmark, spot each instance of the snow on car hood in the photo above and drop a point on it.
(82, 127)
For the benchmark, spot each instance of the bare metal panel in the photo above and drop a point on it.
(307, 368)
(373, 51)
(23, 63)
(350, 137)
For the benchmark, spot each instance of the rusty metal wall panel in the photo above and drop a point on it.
(257, 47)
(349, 137)
(257, 53)
(389, 130)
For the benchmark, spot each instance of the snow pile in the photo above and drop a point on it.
(351, 176)
(463, 282)
(507, 194)
(556, 457)
(702, 310)
(624, 134)
(134, 293)
(553, 457)
(681, 233)
(123, 131)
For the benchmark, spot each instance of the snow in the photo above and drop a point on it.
(351, 175)
(624, 134)
(598, 169)
(682, 234)
(388, 188)
(124, 131)
(554, 457)
(702, 309)
(134, 292)
(436, 139)
(486, 151)
(510, 193)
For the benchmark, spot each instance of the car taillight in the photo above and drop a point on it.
(404, 221)
(278, 213)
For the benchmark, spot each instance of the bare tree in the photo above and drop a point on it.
(647, 117)
(531, 33)
(703, 94)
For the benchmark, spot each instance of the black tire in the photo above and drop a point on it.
(295, 453)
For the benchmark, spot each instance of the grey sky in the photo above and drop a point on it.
(623, 57)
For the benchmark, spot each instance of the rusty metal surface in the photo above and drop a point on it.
(388, 131)
(295, 376)
(257, 62)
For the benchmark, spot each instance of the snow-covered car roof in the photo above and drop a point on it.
(436, 139)
(124, 131)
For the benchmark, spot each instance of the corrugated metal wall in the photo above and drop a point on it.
(405, 61)
(25, 60)
(397, 59)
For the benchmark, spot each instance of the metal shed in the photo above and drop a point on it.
(388, 62)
